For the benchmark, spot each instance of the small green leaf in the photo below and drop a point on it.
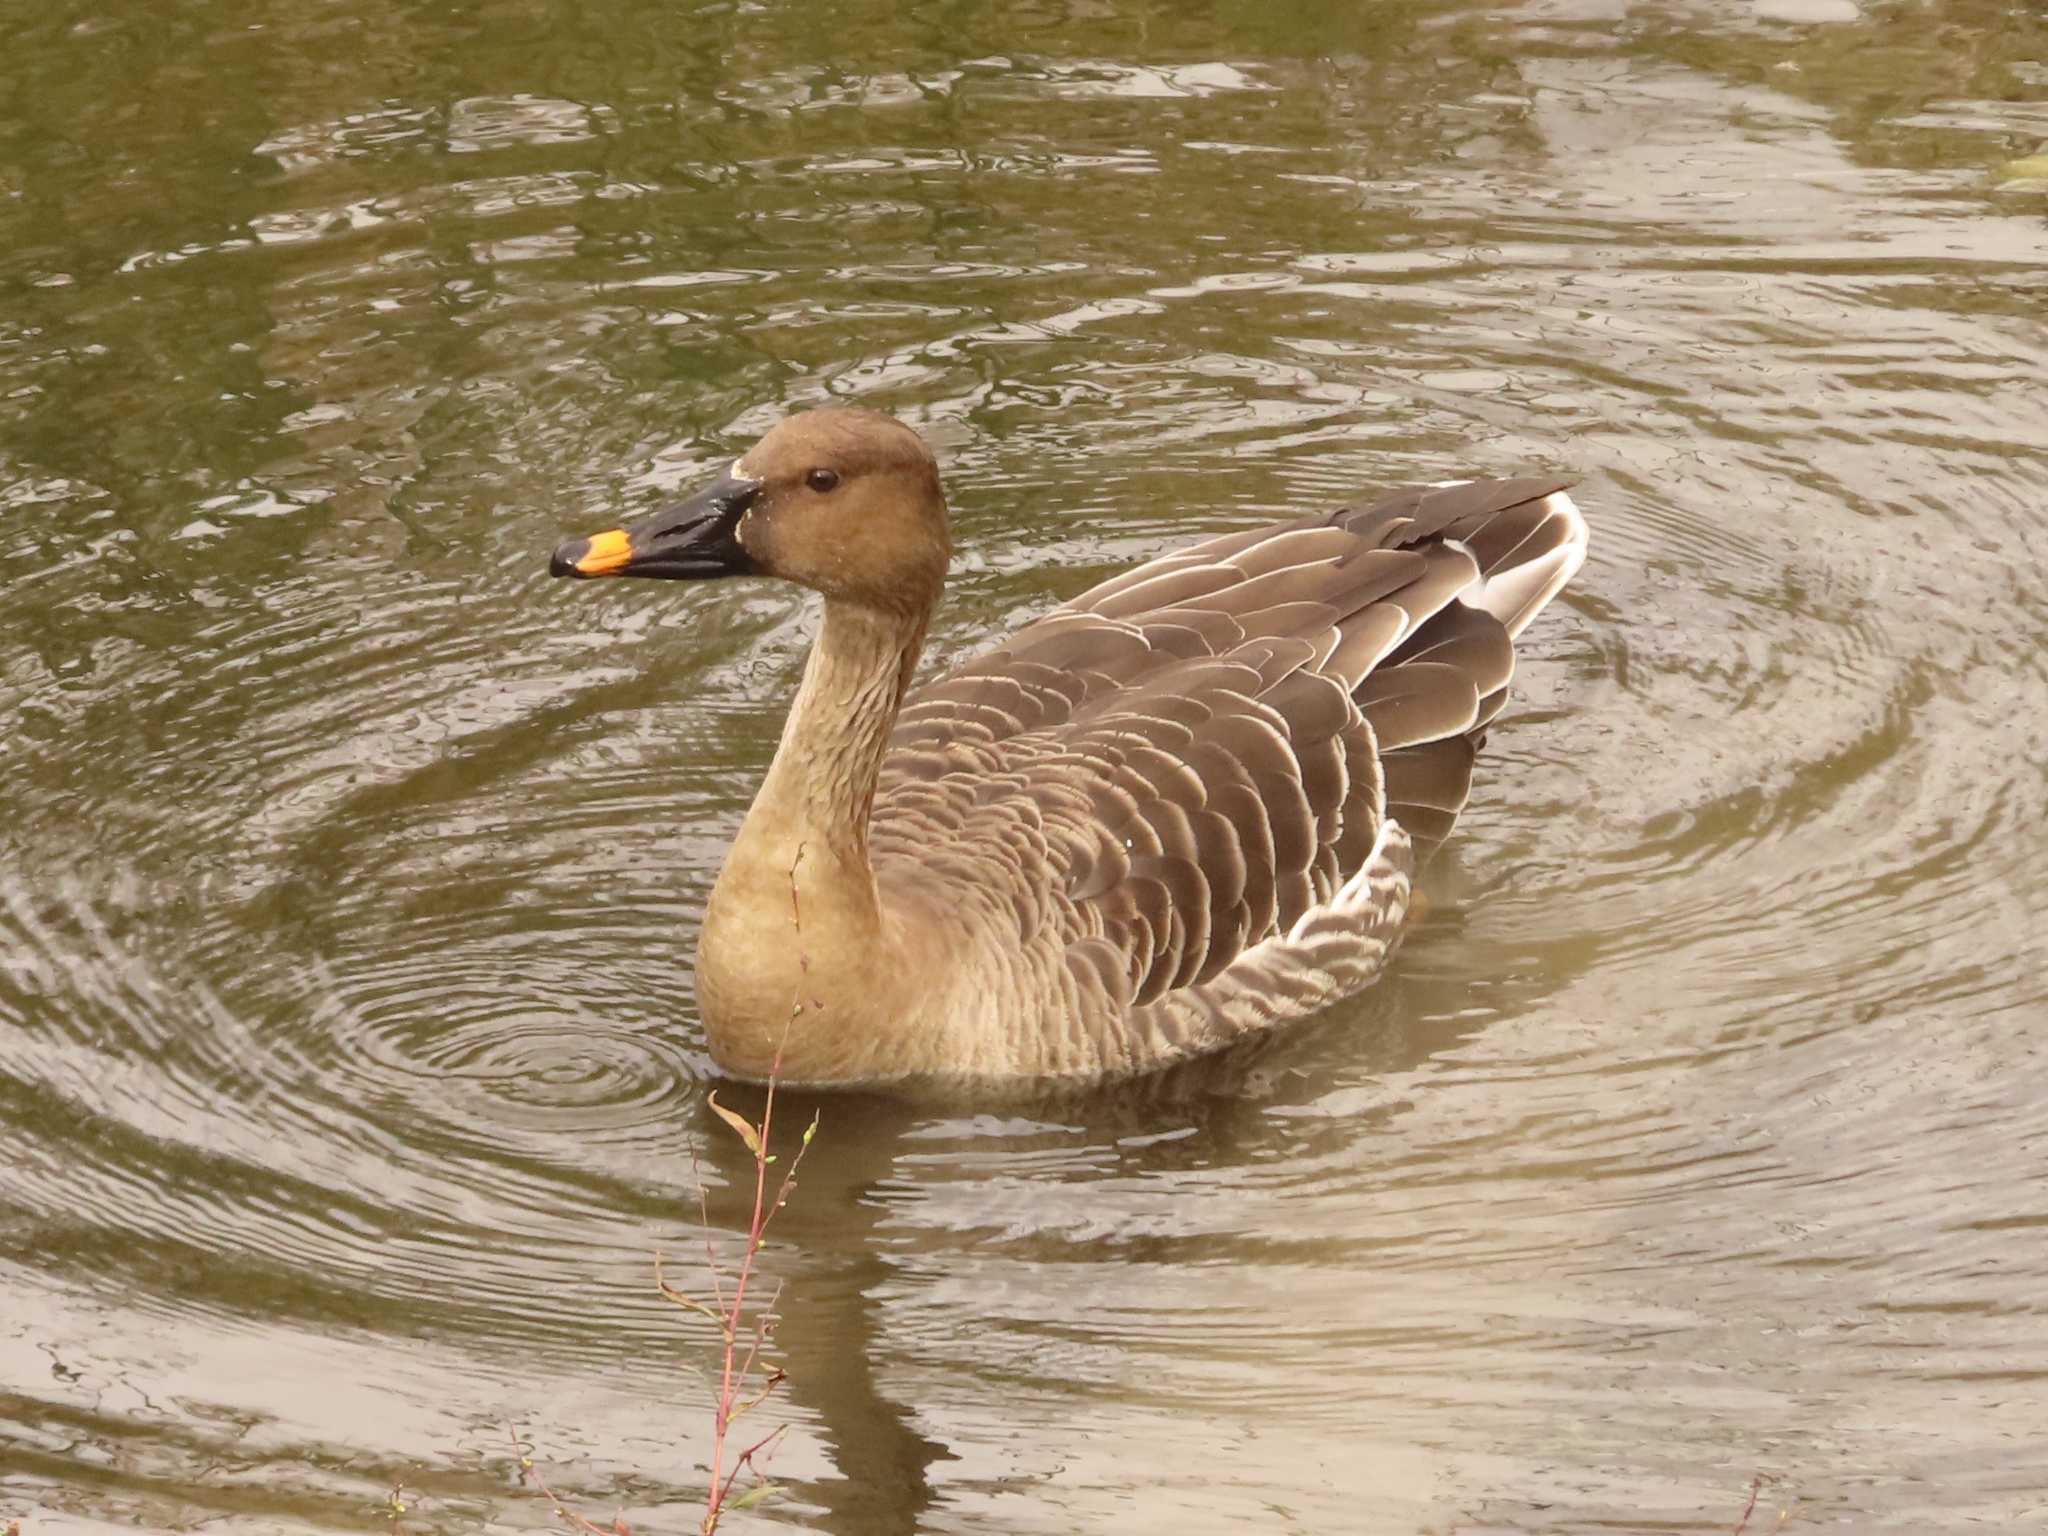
(760, 1493)
(810, 1130)
(744, 1131)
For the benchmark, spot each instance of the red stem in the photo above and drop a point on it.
(735, 1314)
(1755, 1487)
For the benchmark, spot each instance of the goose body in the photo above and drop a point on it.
(1183, 808)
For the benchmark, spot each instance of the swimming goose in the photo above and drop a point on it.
(1183, 808)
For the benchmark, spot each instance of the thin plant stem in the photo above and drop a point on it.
(744, 1334)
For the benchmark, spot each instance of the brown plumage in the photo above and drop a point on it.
(1184, 807)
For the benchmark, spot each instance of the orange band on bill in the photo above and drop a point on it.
(608, 552)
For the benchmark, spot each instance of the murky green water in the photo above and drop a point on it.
(349, 867)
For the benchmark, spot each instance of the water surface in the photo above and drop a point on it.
(349, 869)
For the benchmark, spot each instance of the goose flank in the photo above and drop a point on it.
(1183, 808)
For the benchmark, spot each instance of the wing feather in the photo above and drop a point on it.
(1202, 754)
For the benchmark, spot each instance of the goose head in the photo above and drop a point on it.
(845, 502)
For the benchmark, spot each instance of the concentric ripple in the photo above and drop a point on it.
(520, 1064)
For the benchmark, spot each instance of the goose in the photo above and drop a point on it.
(1177, 811)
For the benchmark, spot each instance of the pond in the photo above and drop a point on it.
(350, 869)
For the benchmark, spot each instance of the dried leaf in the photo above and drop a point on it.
(741, 1128)
(670, 1293)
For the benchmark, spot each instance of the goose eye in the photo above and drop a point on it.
(822, 479)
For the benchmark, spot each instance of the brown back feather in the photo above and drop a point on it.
(1197, 751)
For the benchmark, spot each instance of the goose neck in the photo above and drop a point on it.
(821, 785)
